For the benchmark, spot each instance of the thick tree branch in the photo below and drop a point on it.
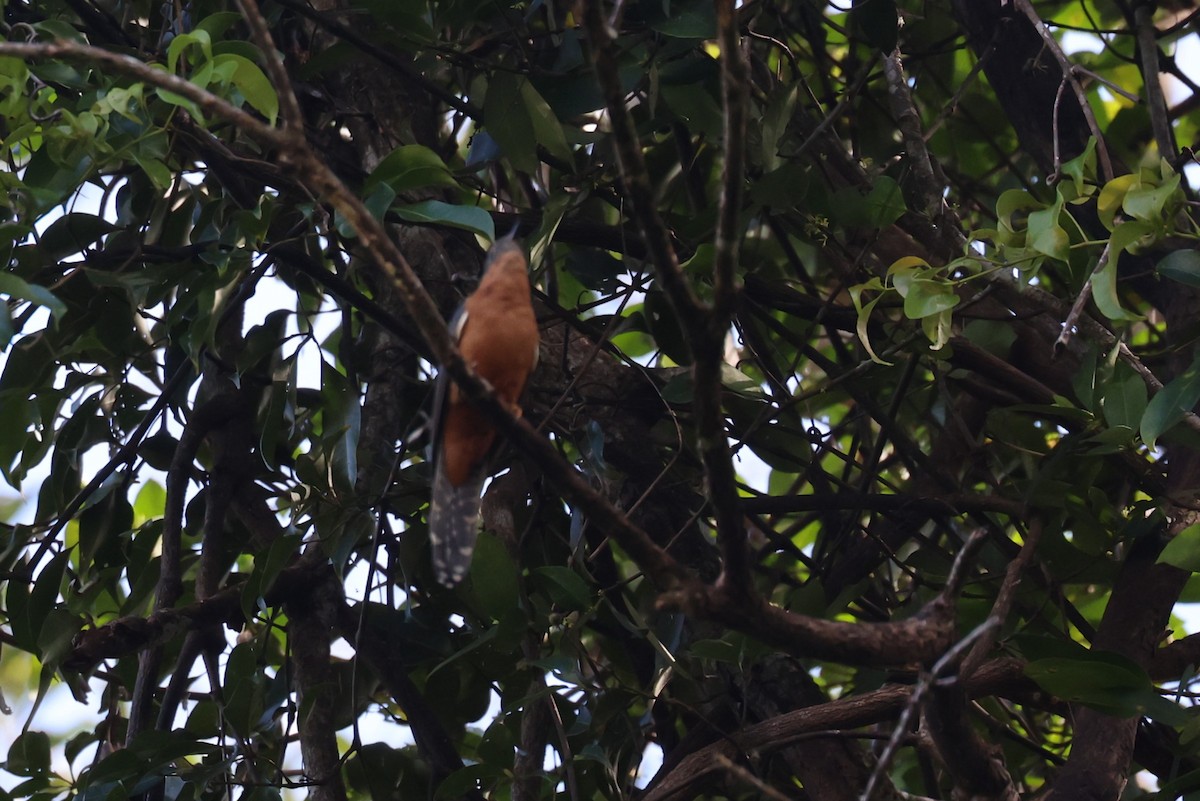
(977, 767)
(688, 777)
(206, 417)
(129, 635)
(710, 356)
(1133, 624)
(1156, 104)
(312, 617)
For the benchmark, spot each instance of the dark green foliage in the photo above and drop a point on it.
(215, 400)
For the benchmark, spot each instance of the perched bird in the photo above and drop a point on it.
(497, 335)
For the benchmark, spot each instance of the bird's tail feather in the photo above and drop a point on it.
(453, 526)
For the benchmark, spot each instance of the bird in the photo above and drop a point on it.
(497, 334)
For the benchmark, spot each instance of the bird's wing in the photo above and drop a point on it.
(458, 321)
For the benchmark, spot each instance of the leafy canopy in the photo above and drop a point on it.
(866, 401)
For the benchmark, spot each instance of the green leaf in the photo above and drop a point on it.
(717, 651)
(494, 576)
(735, 380)
(546, 128)
(1112, 195)
(466, 218)
(1046, 235)
(29, 754)
(1012, 201)
(44, 596)
(410, 167)
(885, 202)
(1104, 290)
(341, 416)
(215, 24)
(57, 636)
(151, 499)
(266, 570)
(1183, 551)
(509, 122)
(1124, 402)
(157, 171)
(665, 327)
(1105, 681)
(184, 103)
(937, 328)
(1126, 235)
(994, 336)
(251, 82)
(700, 109)
(463, 781)
(121, 764)
(924, 298)
(686, 19)
(497, 745)
(70, 234)
(6, 326)
(18, 289)
(776, 118)
(1150, 202)
(565, 587)
(183, 41)
(1080, 168)
(863, 321)
(1170, 405)
(1182, 266)
(278, 419)
(243, 689)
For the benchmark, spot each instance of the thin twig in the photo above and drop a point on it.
(293, 122)
(1056, 141)
(1068, 72)
(958, 570)
(1005, 597)
(706, 326)
(1085, 294)
(1044, 302)
(635, 177)
(124, 455)
(922, 686)
(738, 772)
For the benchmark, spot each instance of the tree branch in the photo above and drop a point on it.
(311, 622)
(692, 773)
(1156, 104)
(706, 326)
(293, 121)
(1051, 44)
(311, 169)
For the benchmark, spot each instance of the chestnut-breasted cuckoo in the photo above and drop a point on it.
(497, 334)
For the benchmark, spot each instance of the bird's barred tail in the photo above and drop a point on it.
(453, 526)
